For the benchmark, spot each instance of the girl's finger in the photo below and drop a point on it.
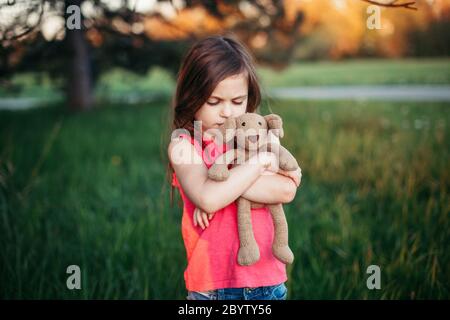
(200, 220)
(205, 219)
(195, 217)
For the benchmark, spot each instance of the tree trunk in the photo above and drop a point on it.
(79, 84)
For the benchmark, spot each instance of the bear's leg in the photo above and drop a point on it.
(280, 247)
(248, 251)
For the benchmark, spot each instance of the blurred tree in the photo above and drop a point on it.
(77, 56)
(79, 83)
(337, 29)
(432, 41)
(114, 33)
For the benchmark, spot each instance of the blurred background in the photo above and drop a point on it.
(364, 91)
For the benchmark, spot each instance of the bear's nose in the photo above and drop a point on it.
(254, 138)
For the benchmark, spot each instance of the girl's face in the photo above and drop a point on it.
(229, 99)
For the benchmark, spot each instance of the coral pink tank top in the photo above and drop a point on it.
(212, 253)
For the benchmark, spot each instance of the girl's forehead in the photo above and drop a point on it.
(233, 86)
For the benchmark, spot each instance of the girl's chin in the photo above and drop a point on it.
(207, 135)
(213, 126)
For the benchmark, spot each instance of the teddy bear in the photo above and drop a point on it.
(249, 134)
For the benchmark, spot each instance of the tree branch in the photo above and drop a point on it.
(393, 4)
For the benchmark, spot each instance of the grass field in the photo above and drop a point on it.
(89, 189)
(360, 72)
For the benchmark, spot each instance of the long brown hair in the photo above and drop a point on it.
(208, 62)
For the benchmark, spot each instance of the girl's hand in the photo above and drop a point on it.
(202, 218)
(295, 175)
(267, 160)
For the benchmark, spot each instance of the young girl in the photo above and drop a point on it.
(217, 80)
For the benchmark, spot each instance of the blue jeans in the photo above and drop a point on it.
(276, 292)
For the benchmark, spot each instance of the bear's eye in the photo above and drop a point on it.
(259, 122)
(243, 124)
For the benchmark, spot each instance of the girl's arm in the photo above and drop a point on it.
(271, 189)
(206, 194)
(274, 188)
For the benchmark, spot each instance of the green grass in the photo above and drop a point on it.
(360, 72)
(88, 189)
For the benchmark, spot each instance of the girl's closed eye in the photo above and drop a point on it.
(239, 100)
(213, 101)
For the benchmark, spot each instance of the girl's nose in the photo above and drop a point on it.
(226, 111)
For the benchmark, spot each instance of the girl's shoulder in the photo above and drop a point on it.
(183, 139)
(181, 149)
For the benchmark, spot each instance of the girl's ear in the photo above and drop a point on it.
(274, 122)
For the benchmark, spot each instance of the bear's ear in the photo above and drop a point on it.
(275, 124)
